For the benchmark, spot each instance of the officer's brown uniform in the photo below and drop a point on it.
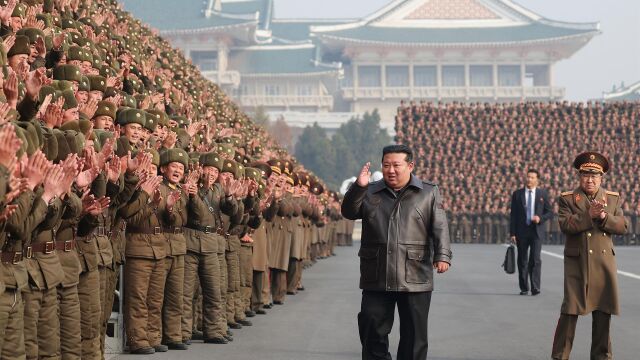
(590, 271)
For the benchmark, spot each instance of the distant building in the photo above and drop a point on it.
(622, 93)
(469, 50)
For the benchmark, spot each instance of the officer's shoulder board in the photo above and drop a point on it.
(566, 193)
(612, 193)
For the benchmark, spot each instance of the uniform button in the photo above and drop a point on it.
(590, 251)
(605, 234)
(588, 234)
(389, 251)
(604, 251)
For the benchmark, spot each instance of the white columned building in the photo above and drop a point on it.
(433, 50)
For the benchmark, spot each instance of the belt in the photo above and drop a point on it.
(154, 230)
(66, 245)
(101, 231)
(172, 230)
(221, 232)
(204, 229)
(144, 230)
(47, 247)
(11, 257)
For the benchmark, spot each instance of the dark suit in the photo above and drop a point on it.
(529, 236)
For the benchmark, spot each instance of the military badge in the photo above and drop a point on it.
(577, 197)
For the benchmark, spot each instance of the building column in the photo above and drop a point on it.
(522, 78)
(355, 81)
(467, 81)
(439, 79)
(495, 80)
(223, 54)
(411, 94)
(383, 78)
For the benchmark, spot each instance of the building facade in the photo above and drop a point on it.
(436, 50)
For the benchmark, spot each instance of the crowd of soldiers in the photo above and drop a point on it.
(487, 228)
(115, 153)
(488, 148)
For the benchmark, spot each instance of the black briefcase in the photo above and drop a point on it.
(509, 263)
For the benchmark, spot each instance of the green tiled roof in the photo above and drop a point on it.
(264, 7)
(177, 15)
(297, 30)
(281, 61)
(531, 32)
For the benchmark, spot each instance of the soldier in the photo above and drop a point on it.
(280, 234)
(201, 261)
(28, 213)
(173, 164)
(260, 256)
(144, 271)
(41, 322)
(589, 216)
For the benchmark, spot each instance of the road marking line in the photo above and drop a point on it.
(560, 256)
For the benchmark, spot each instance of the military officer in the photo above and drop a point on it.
(589, 216)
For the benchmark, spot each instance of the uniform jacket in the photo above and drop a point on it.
(402, 234)
(590, 281)
(279, 234)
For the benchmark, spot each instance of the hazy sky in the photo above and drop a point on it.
(609, 58)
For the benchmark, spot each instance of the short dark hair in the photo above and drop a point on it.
(534, 171)
(398, 149)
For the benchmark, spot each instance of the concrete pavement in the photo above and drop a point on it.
(476, 314)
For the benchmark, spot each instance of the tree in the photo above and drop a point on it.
(261, 117)
(281, 131)
(356, 142)
(314, 150)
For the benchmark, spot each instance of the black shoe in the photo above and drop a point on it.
(234, 325)
(250, 313)
(177, 346)
(278, 303)
(290, 293)
(535, 292)
(301, 288)
(186, 342)
(261, 312)
(267, 306)
(524, 292)
(229, 338)
(160, 348)
(229, 333)
(245, 322)
(197, 335)
(143, 351)
(216, 340)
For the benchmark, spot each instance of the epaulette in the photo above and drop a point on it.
(429, 183)
(567, 193)
(613, 193)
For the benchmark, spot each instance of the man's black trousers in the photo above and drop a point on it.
(529, 263)
(375, 321)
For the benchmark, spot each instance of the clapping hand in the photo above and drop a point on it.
(596, 210)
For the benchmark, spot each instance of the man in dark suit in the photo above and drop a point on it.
(530, 208)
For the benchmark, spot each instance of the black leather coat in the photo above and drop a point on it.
(402, 234)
